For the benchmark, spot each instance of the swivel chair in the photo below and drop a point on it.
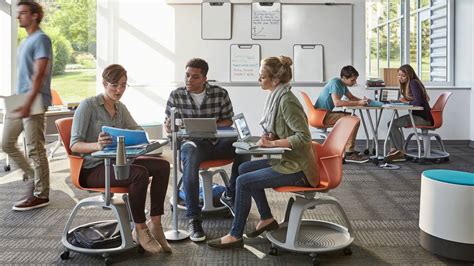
(316, 117)
(316, 236)
(206, 175)
(106, 200)
(428, 153)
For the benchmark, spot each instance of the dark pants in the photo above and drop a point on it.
(140, 171)
(193, 152)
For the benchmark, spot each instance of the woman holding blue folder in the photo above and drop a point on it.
(285, 125)
(86, 137)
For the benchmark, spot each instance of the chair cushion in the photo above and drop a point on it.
(215, 163)
(450, 176)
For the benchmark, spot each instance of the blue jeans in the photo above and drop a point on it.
(193, 152)
(254, 177)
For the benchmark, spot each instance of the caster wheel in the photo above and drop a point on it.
(437, 161)
(141, 250)
(366, 151)
(446, 159)
(108, 261)
(6, 168)
(171, 208)
(273, 251)
(316, 262)
(65, 255)
(347, 251)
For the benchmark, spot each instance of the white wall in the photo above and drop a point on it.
(142, 35)
(464, 55)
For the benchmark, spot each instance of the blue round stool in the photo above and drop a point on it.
(447, 213)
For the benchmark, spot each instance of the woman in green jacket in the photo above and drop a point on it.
(286, 125)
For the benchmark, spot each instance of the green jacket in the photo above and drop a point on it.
(291, 123)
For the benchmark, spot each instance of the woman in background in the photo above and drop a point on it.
(414, 93)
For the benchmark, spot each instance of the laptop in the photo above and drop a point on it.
(246, 141)
(200, 127)
(13, 102)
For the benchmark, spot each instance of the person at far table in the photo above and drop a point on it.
(332, 96)
(414, 93)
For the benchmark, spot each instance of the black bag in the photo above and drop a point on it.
(99, 235)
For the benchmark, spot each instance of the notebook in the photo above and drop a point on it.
(244, 134)
(133, 138)
(13, 102)
(200, 127)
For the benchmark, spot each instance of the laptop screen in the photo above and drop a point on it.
(242, 128)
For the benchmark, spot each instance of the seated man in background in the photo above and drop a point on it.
(199, 99)
(331, 97)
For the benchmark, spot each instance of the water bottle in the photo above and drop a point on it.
(121, 156)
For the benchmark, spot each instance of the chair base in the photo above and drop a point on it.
(119, 205)
(311, 236)
(206, 176)
(446, 248)
(314, 236)
(427, 152)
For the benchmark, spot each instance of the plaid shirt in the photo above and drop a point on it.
(216, 104)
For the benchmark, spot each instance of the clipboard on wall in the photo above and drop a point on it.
(266, 21)
(244, 62)
(308, 62)
(216, 20)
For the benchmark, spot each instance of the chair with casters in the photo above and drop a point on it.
(428, 153)
(317, 236)
(107, 200)
(316, 117)
(206, 176)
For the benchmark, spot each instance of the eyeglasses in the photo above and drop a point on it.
(118, 86)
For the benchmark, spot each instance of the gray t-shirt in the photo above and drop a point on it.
(34, 47)
(88, 120)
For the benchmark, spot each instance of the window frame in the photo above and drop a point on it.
(404, 18)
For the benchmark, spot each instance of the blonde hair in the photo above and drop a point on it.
(405, 86)
(278, 68)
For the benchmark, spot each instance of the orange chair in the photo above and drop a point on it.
(206, 176)
(316, 116)
(107, 200)
(56, 99)
(425, 135)
(314, 236)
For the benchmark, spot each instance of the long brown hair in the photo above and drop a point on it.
(405, 87)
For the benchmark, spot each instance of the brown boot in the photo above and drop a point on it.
(157, 232)
(145, 239)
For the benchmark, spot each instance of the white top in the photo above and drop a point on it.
(198, 98)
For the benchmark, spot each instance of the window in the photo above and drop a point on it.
(425, 36)
(71, 25)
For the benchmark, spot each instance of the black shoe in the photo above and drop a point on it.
(196, 233)
(216, 243)
(228, 202)
(269, 227)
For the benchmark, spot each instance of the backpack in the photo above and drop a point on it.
(104, 234)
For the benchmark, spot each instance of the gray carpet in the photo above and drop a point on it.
(382, 205)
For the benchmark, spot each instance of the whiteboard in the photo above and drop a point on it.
(266, 21)
(301, 24)
(216, 21)
(308, 63)
(244, 62)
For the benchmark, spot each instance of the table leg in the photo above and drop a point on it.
(375, 136)
(175, 233)
(365, 130)
(388, 135)
(107, 181)
(416, 133)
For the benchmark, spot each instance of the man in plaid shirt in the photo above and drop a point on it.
(199, 99)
